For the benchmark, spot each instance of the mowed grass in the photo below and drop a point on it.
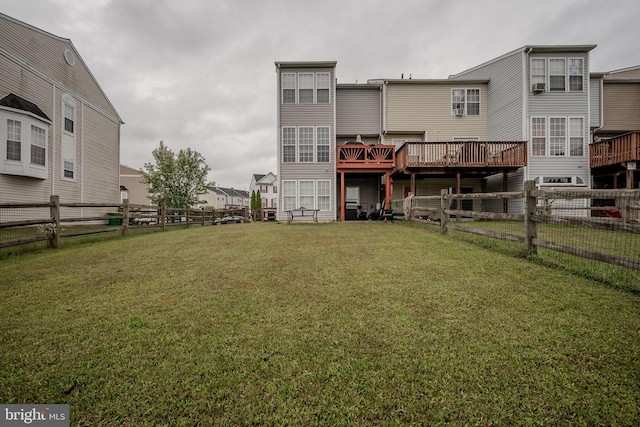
(330, 324)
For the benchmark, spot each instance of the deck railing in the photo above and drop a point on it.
(623, 148)
(366, 156)
(462, 154)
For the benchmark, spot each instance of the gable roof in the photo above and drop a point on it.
(32, 64)
(18, 103)
(529, 49)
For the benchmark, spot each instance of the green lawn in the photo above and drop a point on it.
(331, 324)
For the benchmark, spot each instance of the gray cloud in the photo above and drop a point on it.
(201, 74)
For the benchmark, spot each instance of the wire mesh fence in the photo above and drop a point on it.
(594, 233)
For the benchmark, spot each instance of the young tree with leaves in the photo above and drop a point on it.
(176, 179)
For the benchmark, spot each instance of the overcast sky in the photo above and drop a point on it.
(201, 73)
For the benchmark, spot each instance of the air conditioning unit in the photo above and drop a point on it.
(458, 111)
(537, 87)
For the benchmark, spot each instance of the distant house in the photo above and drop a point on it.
(226, 198)
(59, 133)
(268, 187)
(132, 187)
(615, 151)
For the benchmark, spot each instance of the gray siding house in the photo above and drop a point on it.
(306, 138)
(541, 94)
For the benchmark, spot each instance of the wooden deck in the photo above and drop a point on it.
(615, 151)
(365, 158)
(467, 156)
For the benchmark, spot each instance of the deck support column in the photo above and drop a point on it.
(505, 188)
(413, 184)
(458, 201)
(342, 195)
(387, 192)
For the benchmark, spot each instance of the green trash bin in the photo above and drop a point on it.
(114, 221)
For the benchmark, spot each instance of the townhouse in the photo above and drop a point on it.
(530, 114)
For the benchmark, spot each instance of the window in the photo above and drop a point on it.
(288, 144)
(38, 146)
(538, 136)
(324, 195)
(69, 117)
(68, 169)
(307, 194)
(323, 82)
(323, 144)
(289, 190)
(288, 88)
(557, 136)
(275, 189)
(575, 74)
(305, 145)
(305, 88)
(466, 100)
(473, 102)
(14, 140)
(576, 136)
(538, 70)
(557, 74)
(457, 99)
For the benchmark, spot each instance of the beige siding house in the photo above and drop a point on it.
(132, 187)
(59, 133)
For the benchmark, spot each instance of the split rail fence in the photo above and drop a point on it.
(596, 232)
(27, 223)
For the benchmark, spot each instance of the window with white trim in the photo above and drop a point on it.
(323, 144)
(576, 74)
(305, 144)
(305, 88)
(538, 136)
(69, 117)
(288, 88)
(576, 136)
(323, 84)
(68, 152)
(467, 100)
(324, 195)
(38, 146)
(557, 136)
(557, 74)
(562, 74)
(289, 193)
(307, 194)
(288, 145)
(23, 145)
(14, 140)
(538, 70)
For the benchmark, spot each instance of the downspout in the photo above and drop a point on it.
(53, 143)
(525, 106)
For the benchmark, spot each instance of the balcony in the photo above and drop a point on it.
(615, 151)
(365, 158)
(479, 157)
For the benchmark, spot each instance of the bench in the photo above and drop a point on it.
(300, 212)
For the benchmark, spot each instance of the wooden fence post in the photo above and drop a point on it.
(54, 238)
(125, 217)
(530, 226)
(443, 208)
(163, 216)
(187, 216)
